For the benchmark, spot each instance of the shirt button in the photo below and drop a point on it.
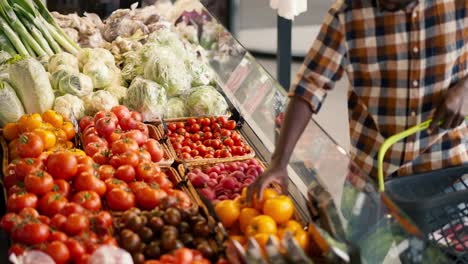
(413, 113)
(415, 49)
(415, 83)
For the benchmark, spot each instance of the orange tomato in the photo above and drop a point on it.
(280, 208)
(228, 211)
(10, 131)
(28, 123)
(267, 194)
(61, 135)
(297, 232)
(241, 239)
(262, 239)
(48, 137)
(69, 130)
(261, 224)
(13, 149)
(246, 216)
(53, 118)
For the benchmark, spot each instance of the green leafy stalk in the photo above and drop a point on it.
(30, 50)
(42, 9)
(14, 39)
(13, 20)
(23, 13)
(6, 45)
(35, 32)
(61, 40)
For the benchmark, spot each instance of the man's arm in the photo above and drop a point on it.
(296, 118)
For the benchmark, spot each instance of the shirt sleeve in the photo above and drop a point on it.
(324, 63)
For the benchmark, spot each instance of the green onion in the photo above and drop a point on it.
(6, 45)
(14, 39)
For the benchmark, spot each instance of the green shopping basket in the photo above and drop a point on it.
(437, 201)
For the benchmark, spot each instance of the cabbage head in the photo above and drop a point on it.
(119, 92)
(66, 82)
(164, 37)
(101, 74)
(169, 71)
(88, 55)
(11, 108)
(68, 104)
(176, 107)
(63, 60)
(206, 101)
(99, 100)
(146, 97)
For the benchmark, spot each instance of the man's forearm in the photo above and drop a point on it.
(296, 118)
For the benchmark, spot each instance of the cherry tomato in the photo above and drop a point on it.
(120, 200)
(155, 150)
(52, 203)
(75, 224)
(225, 153)
(183, 255)
(121, 111)
(180, 124)
(115, 183)
(88, 199)
(231, 125)
(125, 173)
(19, 201)
(215, 127)
(177, 146)
(225, 133)
(195, 137)
(88, 182)
(124, 145)
(205, 122)
(30, 145)
(181, 130)
(206, 129)
(106, 172)
(44, 219)
(85, 122)
(222, 120)
(31, 233)
(207, 135)
(10, 221)
(191, 121)
(62, 165)
(136, 135)
(216, 144)
(172, 127)
(194, 152)
(186, 149)
(58, 251)
(228, 142)
(186, 156)
(147, 171)
(195, 128)
(72, 208)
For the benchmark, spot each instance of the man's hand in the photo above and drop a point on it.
(454, 107)
(279, 175)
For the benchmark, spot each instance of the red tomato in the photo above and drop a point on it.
(29, 145)
(201, 149)
(149, 198)
(177, 146)
(89, 131)
(31, 233)
(183, 256)
(109, 240)
(10, 179)
(93, 148)
(105, 126)
(136, 135)
(57, 236)
(180, 124)
(114, 136)
(44, 219)
(195, 128)
(102, 157)
(120, 200)
(104, 114)
(195, 137)
(136, 186)
(103, 220)
(181, 131)
(94, 138)
(88, 182)
(207, 136)
(106, 172)
(191, 121)
(205, 122)
(172, 127)
(225, 133)
(163, 182)
(58, 221)
(222, 120)
(62, 165)
(216, 144)
(215, 127)
(72, 208)
(186, 156)
(228, 142)
(26, 166)
(75, 224)
(29, 212)
(143, 128)
(18, 201)
(83, 259)
(182, 198)
(231, 125)
(124, 145)
(115, 183)
(147, 171)
(85, 122)
(137, 116)
(128, 123)
(127, 158)
(75, 248)
(121, 111)
(39, 183)
(208, 156)
(58, 251)
(186, 149)
(155, 149)
(143, 155)
(52, 203)
(194, 152)
(206, 129)
(125, 173)
(9, 221)
(88, 199)
(16, 249)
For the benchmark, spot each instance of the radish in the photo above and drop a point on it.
(229, 183)
(197, 171)
(208, 193)
(223, 197)
(191, 175)
(252, 172)
(213, 175)
(248, 181)
(238, 175)
(234, 196)
(199, 180)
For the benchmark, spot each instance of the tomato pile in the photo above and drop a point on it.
(225, 181)
(271, 216)
(206, 138)
(150, 235)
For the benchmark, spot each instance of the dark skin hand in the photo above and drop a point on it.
(453, 109)
(296, 118)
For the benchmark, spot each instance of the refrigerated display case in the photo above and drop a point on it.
(323, 181)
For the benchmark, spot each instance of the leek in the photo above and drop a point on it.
(14, 39)
(6, 45)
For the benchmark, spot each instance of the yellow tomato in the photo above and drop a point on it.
(48, 137)
(280, 208)
(69, 130)
(77, 152)
(262, 239)
(296, 231)
(261, 224)
(53, 118)
(28, 123)
(267, 194)
(246, 216)
(228, 211)
(61, 135)
(10, 131)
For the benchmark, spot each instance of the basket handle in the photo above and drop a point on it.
(392, 140)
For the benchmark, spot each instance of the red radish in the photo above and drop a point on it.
(199, 180)
(197, 171)
(229, 183)
(208, 193)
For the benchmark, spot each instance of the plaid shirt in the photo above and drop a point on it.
(399, 65)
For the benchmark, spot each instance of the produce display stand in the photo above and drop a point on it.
(324, 184)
